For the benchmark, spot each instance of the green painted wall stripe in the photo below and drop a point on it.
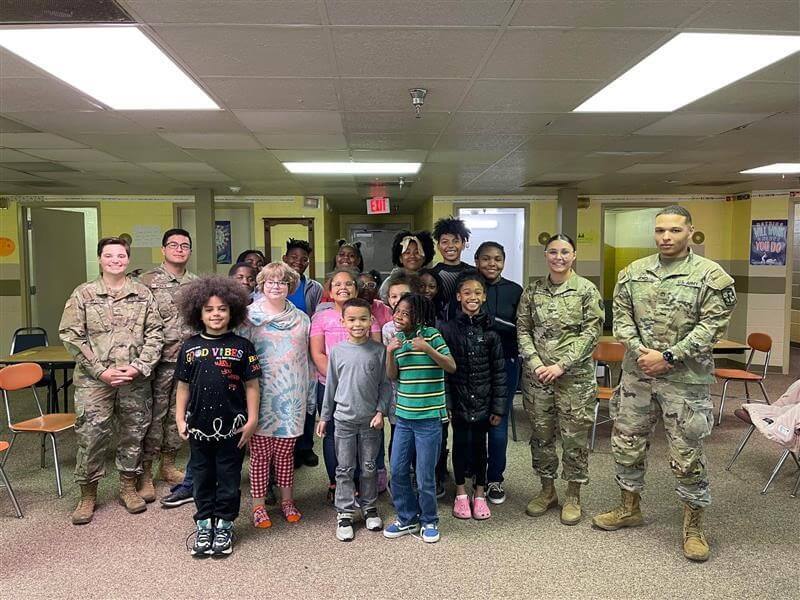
(10, 287)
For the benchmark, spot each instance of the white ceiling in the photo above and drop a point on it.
(329, 80)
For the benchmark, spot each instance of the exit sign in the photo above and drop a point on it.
(378, 206)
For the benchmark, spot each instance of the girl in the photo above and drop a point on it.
(559, 321)
(502, 299)
(279, 333)
(410, 252)
(216, 405)
(327, 331)
(370, 281)
(432, 289)
(477, 399)
(348, 256)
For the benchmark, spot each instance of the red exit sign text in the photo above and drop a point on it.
(378, 206)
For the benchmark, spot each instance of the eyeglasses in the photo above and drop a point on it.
(275, 284)
(370, 285)
(176, 245)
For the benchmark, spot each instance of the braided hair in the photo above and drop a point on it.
(422, 311)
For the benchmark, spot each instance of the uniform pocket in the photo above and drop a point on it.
(697, 418)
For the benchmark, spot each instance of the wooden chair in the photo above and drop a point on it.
(758, 342)
(4, 446)
(606, 354)
(25, 375)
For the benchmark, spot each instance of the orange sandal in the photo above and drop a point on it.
(261, 519)
(290, 511)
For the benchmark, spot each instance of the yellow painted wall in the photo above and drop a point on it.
(423, 219)
(9, 230)
(331, 235)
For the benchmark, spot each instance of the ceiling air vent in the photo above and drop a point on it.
(27, 12)
(548, 183)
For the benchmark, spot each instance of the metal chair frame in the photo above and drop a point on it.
(778, 465)
(7, 484)
(760, 382)
(606, 366)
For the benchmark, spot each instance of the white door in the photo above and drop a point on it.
(506, 226)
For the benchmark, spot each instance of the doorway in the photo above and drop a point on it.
(376, 243)
(277, 232)
(504, 225)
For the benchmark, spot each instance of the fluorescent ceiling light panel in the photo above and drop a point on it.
(688, 67)
(774, 169)
(119, 66)
(352, 168)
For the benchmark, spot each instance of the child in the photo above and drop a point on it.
(216, 405)
(451, 236)
(432, 288)
(410, 252)
(245, 274)
(417, 358)
(370, 282)
(477, 390)
(357, 397)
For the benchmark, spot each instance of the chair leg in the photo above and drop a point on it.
(594, 424)
(777, 468)
(55, 462)
(796, 488)
(513, 420)
(7, 484)
(722, 400)
(7, 452)
(741, 446)
(746, 390)
(763, 391)
(44, 435)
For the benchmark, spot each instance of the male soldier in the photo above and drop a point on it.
(162, 438)
(112, 328)
(669, 310)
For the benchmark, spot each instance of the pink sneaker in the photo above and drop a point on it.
(461, 508)
(480, 509)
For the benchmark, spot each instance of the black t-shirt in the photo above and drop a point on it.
(216, 369)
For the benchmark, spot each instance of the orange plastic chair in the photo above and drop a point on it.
(25, 375)
(7, 484)
(606, 354)
(758, 342)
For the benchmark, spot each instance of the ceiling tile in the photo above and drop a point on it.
(452, 13)
(569, 54)
(185, 121)
(192, 178)
(528, 96)
(36, 140)
(391, 141)
(480, 141)
(10, 156)
(14, 175)
(9, 126)
(291, 121)
(393, 94)
(565, 176)
(74, 155)
(774, 15)
(389, 155)
(76, 121)
(37, 167)
(465, 157)
(261, 93)
(12, 65)
(584, 143)
(274, 12)
(748, 96)
(699, 124)
(303, 141)
(134, 147)
(786, 71)
(241, 164)
(644, 168)
(212, 141)
(410, 52)
(476, 122)
(311, 155)
(394, 122)
(23, 94)
(599, 124)
(172, 168)
(605, 13)
(220, 50)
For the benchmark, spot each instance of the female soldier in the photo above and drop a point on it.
(559, 321)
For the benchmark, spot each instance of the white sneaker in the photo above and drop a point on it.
(344, 527)
(373, 520)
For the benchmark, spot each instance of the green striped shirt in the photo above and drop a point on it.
(420, 381)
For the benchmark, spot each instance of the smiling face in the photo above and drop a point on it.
(451, 246)
(357, 322)
(412, 259)
(402, 317)
(471, 295)
(490, 262)
(298, 259)
(429, 286)
(276, 288)
(347, 258)
(672, 234)
(255, 260)
(246, 276)
(113, 259)
(343, 287)
(560, 255)
(369, 289)
(396, 291)
(216, 316)
(177, 250)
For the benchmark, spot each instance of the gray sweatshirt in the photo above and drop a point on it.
(357, 386)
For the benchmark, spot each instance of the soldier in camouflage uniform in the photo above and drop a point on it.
(559, 320)
(162, 437)
(669, 310)
(112, 328)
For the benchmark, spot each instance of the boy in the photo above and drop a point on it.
(217, 405)
(451, 236)
(357, 396)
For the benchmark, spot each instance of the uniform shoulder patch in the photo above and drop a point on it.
(729, 296)
(718, 279)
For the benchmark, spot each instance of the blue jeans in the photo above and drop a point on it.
(424, 436)
(498, 436)
(188, 479)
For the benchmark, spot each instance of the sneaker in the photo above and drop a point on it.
(290, 512)
(372, 520)
(461, 508)
(223, 538)
(396, 529)
(330, 495)
(495, 492)
(181, 495)
(261, 519)
(440, 489)
(430, 533)
(383, 480)
(344, 527)
(480, 509)
(203, 539)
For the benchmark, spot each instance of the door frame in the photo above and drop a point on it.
(23, 218)
(270, 222)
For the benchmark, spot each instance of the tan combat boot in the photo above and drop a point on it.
(128, 497)
(85, 510)
(168, 472)
(695, 546)
(571, 511)
(144, 484)
(544, 501)
(627, 514)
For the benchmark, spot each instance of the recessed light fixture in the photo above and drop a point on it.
(688, 67)
(774, 169)
(352, 168)
(119, 66)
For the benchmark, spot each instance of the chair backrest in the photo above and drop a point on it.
(28, 337)
(609, 352)
(18, 377)
(759, 342)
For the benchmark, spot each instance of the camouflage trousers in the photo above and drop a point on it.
(162, 436)
(97, 406)
(686, 410)
(567, 403)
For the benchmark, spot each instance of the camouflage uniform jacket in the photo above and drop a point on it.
(684, 309)
(164, 286)
(101, 330)
(559, 324)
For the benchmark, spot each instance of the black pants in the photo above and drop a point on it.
(217, 470)
(469, 449)
(306, 441)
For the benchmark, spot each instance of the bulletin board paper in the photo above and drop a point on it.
(146, 236)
